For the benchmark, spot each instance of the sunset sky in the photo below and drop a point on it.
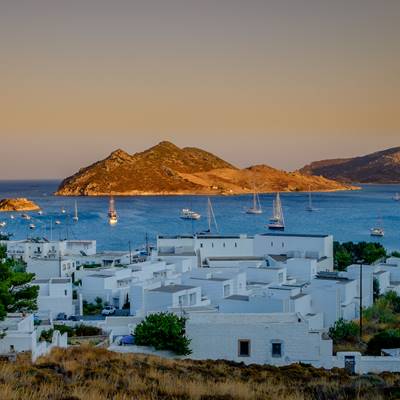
(276, 82)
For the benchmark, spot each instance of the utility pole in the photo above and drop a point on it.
(130, 253)
(360, 263)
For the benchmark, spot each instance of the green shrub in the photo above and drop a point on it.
(46, 335)
(389, 339)
(344, 331)
(87, 330)
(163, 331)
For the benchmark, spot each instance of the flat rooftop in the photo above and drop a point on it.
(172, 288)
(239, 297)
(304, 235)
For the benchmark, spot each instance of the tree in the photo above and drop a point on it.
(349, 253)
(376, 289)
(395, 254)
(389, 339)
(344, 331)
(163, 331)
(16, 292)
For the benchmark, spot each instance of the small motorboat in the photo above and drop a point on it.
(378, 232)
(40, 212)
(3, 224)
(57, 222)
(32, 226)
(26, 216)
(12, 217)
(187, 213)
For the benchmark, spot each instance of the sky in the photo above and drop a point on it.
(277, 82)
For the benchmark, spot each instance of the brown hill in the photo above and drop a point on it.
(168, 169)
(19, 204)
(380, 167)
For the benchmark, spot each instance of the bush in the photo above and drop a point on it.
(389, 339)
(163, 331)
(344, 331)
(87, 330)
(93, 308)
(46, 335)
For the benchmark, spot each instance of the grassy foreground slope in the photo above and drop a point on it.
(97, 374)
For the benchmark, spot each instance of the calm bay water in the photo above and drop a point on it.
(346, 215)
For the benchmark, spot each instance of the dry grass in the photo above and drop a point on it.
(96, 374)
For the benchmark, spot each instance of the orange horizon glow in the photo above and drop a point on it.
(274, 82)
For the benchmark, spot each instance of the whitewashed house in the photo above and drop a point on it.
(165, 298)
(217, 284)
(46, 268)
(43, 248)
(18, 334)
(334, 296)
(276, 339)
(55, 296)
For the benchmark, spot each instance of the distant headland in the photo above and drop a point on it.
(166, 169)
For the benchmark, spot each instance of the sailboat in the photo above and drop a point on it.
(256, 207)
(75, 218)
(396, 197)
(310, 205)
(211, 220)
(112, 213)
(277, 221)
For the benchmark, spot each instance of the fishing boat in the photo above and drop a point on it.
(26, 216)
(277, 221)
(112, 213)
(187, 213)
(75, 218)
(310, 206)
(256, 207)
(12, 216)
(396, 197)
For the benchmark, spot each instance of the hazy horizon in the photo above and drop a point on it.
(282, 83)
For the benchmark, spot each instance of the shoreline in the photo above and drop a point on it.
(170, 194)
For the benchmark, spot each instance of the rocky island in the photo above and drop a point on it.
(166, 169)
(18, 204)
(379, 167)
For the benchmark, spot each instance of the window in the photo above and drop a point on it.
(283, 244)
(192, 299)
(235, 244)
(276, 349)
(280, 277)
(244, 348)
(223, 244)
(272, 244)
(201, 244)
(66, 292)
(212, 244)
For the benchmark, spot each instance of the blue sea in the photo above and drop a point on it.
(346, 215)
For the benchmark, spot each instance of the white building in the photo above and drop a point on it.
(42, 248)
(18, 334)
(315, 247)
(276, 339)
(46, 268)
(165, 298)
(55, 296)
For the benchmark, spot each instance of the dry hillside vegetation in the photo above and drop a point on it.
(95, 374)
